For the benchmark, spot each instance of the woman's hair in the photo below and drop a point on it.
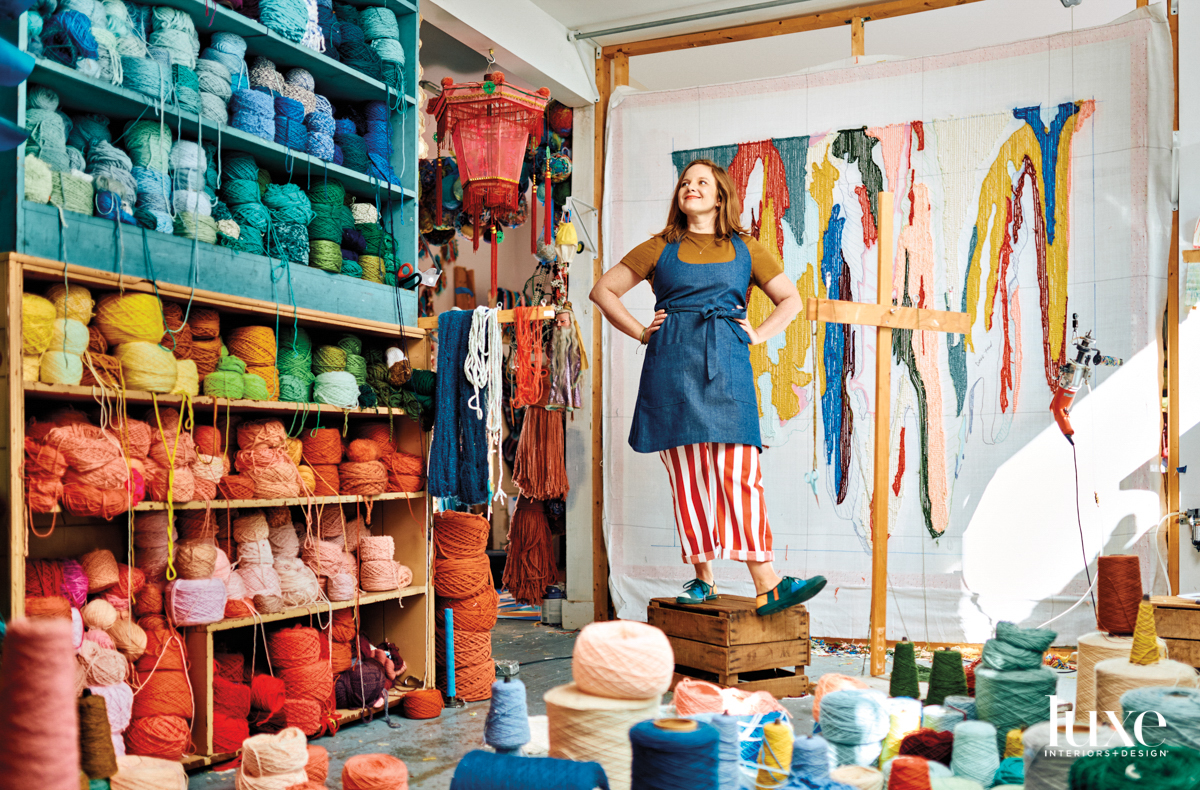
(729, 207)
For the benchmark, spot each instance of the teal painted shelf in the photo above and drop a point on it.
(93, 242)
(79, 92)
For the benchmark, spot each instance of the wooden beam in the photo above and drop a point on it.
(620, 75)
(883, 454)
(599, 548)
(1173, 537)
(886, 315)
(856, 37)
(12, 435)
(506, 317)
(781, 27)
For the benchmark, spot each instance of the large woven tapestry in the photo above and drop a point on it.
(1031, 192)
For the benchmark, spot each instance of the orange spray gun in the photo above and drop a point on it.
(1073, 374)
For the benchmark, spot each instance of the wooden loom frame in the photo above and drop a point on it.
(612, 70)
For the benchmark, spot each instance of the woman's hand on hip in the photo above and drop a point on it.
(750, 331)
(655, 325)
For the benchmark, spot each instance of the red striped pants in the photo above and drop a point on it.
(720, 509)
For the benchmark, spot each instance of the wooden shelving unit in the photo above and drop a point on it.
(403, 616)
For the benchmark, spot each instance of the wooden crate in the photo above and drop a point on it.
(726, 642)
(1177, 621)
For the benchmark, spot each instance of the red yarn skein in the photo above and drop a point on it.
(930, 744)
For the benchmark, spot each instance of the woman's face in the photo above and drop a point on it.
(698, 191)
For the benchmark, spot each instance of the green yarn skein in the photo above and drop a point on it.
(328, 359)
(293, 389)
(255, 387)
(224, 384)
(351, 344)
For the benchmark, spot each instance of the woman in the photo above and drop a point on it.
(696, 403)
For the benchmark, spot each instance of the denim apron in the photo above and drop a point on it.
(697, 384)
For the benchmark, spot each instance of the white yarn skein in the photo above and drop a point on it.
(272, 755)
(235, 588)
(623, 659)
(298, 585)
(858, 776)
(584, 727)
(135, 772)
(195, 601)
(259, 580)
(285, 543)
(255, 552)
(342, 587)
(118, 699)
(1115, 676)
(99, 613)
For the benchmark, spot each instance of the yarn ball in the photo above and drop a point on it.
(374, 771)
(37, 315)
(623, 659)
(270, 755)
(854, 717)
(130, 318)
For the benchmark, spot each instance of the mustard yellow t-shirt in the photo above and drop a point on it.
(701, 248)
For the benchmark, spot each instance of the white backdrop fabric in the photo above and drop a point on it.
(984, 518)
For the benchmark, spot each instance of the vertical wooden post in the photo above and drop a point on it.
(1173, 353)
(620, 75)
(12, 446)
(599, 549)
(883, 401)
(856, 37)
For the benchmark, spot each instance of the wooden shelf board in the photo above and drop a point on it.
(315, 609)
(505, 317)
(237, 504)
(48, 269)
(82, 93)
(68, 392)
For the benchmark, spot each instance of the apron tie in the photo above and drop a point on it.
(707, 314)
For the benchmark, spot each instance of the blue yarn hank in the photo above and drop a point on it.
(481, 770)
(458, 461)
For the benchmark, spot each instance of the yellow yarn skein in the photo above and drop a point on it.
(72, 302)
(147, 366)
(187, 379)
(131, 318)
(60, 368)
(70, 336)
(39, 180)
(31, 367)
(37, 323)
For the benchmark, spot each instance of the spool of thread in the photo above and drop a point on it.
(507, 727)
(1118, 593)
(776, 753)
(811, 757)
(40, 751)
(422, 704)
(975, 753)
(139, 772)
(480, 770)
(1094, 648)
(858, 776)
(586, 728)
(947, 677)
(374, 772)
(623, 659)
(1117, 676)
(195, 601)
(674, 754)
(1048, 767)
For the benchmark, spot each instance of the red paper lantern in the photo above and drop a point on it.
(490, 123)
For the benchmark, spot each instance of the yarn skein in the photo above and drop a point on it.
(623, 659)
(507, 727)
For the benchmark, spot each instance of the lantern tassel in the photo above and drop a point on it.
(495, 259)
(533, 214)
(549, 228)
(478, 233)
(437, 193)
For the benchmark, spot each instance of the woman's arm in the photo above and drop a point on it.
(783, 293)
(607, 293)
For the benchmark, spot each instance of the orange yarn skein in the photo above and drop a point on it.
(374, 772)
(462, 578)
(254, 345)
(460, 535)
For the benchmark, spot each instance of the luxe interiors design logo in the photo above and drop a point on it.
(1136, 739)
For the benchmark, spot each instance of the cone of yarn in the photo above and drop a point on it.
(975, 753)
(908, 773)
(623, 659)
(830, 682)
(374, 772)
(100, 566)
(776, 753)
(460, 535)
(1116, 676)
(462, 578)
(477, 613)
(854, 717)
(930, 745)
(38, 675)
(1094, 648)
(271, 755)
(1118, 593)
(139, 772)
(904, 672)
(422, 704)
(946, 677)
(587, 728)
(1016, 698)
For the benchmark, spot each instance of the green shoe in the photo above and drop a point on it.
(697, 591)
(789, 592)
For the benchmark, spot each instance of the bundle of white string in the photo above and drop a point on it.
(195, 601)
(584, 727)
(150, 529)
(193, 201)
(259, 580)
(251, 526)
(298, 585)
(341, 587)
(623, 659)
(255, 552)
(272, 755)
(483, 369)
(364, 214)
(102, 667)
(376, 547)
(285, 543)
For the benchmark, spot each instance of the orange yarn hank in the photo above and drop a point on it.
(530, 567)
(317, 767)
(528, 364)
(322, 446)
(474, 670)
(423, 704)
(374, 772)
(460, 535)
(539, 468)
(477, 613)
(462, 578)
(294, 647)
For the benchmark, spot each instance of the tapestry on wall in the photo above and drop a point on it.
(1030, 192)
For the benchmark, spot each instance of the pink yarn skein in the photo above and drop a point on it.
(623, 659)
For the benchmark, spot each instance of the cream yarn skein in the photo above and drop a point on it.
(623, 659)
(271, 755)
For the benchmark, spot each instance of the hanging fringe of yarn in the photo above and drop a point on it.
(458, 461)
(539, 470)
(528, 363)
(530, 567)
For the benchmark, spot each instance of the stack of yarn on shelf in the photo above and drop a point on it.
(296, 657)
(255, 345)
(381, 30)
(231, 706)
(291, 212)
(241, 192)
(462, 578)
(149, 146)
(192, 204)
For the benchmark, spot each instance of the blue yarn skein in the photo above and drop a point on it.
(729, 753)
(811, 757)
(67, 37)
(854, 716)
(975, 753)
(1180, 707)
(672, 760)
(507, 727)
(480, 770)
(458, 463)
(253, 112)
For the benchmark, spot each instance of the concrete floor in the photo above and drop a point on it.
(432, 748)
